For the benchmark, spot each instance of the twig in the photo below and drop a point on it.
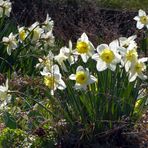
(109, 132)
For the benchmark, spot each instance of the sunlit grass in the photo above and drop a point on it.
(127, 4)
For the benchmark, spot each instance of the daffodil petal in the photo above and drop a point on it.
(95, 56)
(117, 57)
(78, 86)
(133, 37)
(140, 25)
(143, 59)
(132, 77)
(142, 13)
(80, 68)
(142, 76)
(72, 77)
(114, 45)
(61, 85)
(101, 66)
(8, 50)
(136, 18)
(101, 47)
(92, 79)
(84, 57)
(84, 37)
(112, 67)
(55, 69)
(127, 66)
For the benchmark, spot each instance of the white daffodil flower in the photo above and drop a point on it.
(11, 42)
(53, 80)
(82, 78)
(48, 24)
(142, 19)
(128, 50)
(4, 104)
(36, 31)
(137, 70)
(129, 57)
(126, 42)
(84, 48)
(22, 33)
(48, 38)
(5, 7)
(61, 57)
(4, 91)
(66, 54)
(107, 56)
(46, 62)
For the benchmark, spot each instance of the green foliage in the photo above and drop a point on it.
(12, 138)
(43, 142)
(102, 107)
(144, 45)
(9, 120)
(6, 27)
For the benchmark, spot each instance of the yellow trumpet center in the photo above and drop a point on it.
(131, 55)
(81, 77)
(47, 62)
(49, 81)
(107, 55)
(36, 34)
(138, 67)
(144, 19)
(82, 47)
(22, 35)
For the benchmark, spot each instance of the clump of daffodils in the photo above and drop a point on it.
(121, 53)
(93, 84)
(37, 35)
(42, 32)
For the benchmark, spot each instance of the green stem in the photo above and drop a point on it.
(17, 92)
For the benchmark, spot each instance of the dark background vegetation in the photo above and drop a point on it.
(73, 17)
